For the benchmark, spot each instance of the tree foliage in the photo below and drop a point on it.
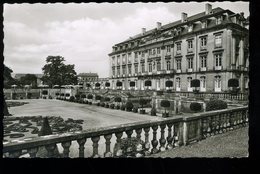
(29, 79)
(57, 73)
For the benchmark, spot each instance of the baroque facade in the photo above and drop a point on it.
(211, 46)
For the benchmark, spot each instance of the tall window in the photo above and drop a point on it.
(178, 45)
(118, 70)
(118, 60)
(136, 68)
(158, 50)
(190, 45)
(190, 62)
(189, 83)
(178, 83)
(218, 40)
(218, 59)
(129, 57)
(136, 57)
(142, 67)
(124, 69)
(168, 48)
(150, 51)
(143, 53)
(158, 65)
(203, 61)
(203, 42)
(150, 67)
(124, 58)
(154, 52)
(203, 83)
(168, 65)
(113, 71)
(130, 69)
(217, 83)
(178, 63)
(113, 60)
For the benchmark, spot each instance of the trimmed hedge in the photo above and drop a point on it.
(72, 98)
(67, 94)
(195, 107)
(44, 92)
(122, 107)
(215, 104)
(90, 96)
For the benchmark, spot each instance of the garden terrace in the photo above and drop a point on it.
(173, 132)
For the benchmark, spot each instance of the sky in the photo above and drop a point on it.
(84, 33)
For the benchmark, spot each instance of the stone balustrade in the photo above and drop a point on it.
(162, 135)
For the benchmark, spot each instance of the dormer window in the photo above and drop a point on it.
(218, 20)
(190, 28)
(204, 24)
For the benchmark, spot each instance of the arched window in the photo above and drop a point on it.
(178, 84)
(143, 68)
(150, 67)
(217, 83)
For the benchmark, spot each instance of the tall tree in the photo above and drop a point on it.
(29, 79)
(55, 72)
(7, 79)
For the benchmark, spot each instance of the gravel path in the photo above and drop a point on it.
(230, 144)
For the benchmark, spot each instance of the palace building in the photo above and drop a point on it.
(211, 46)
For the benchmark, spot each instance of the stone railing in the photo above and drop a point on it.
(172, 132)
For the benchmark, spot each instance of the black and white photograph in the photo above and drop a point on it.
(126, 80)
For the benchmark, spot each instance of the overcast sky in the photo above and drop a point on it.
(84, 33)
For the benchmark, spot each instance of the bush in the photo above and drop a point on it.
(90, 103)
(215, 105)
(62, 94)
(44, 92)
(29, 95)
(90, 96)
(129, 106)
(14, 96)
(112, 106)
(72, 98)
(83, 96)
(50, 97)
(142, 102)
(77, 96)
(135, 109)
(107, 99)
(118, 99)
(165, 103)
(44, 97)
(67, 94)
(117, 106)
(102, 104)
(107, 105)
(57, 93)
(122, 107)
(98, 97)
(86, 102)
(98, 104)
(195, 107)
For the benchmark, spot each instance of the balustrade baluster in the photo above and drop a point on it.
(50, 149)
(204, 128)
(162, 139)
(209, 126)
(117, 145)
(221, 125)
(108, 142)
(129, 133)
(81, 143)
(138, 133)
(154, 141)
(32, 152)
(147, 143)
(15, 154)
(95, 146)
(170, 137)
(66, 148)
(231, 121)
(218, 122)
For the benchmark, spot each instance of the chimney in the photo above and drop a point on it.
(159, 25)
(208, 8)
(183, 17)
(143, 30)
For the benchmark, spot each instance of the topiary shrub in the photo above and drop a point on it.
(98, 97)
(86, 102)
(57, 93)
(72, 99)
(44, 97)
(107, 105)
(62, 94)
(153, 111)
(83, 96)
(107, 99)
(90, 96)
(67, 94)
(98, 104)
(14, 96)
(117, 106)
(122, 107)
(129, 106)
(29, 95)
(215, 104)
(45, 129)
(165, 104)
(77, 96)
(135, 109)
(90, 103)
(112, 106)
(195, 107)
(102, 104)
(142, 102)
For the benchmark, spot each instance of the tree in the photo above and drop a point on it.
(165, 104)
(57, 73)
(29, 79)
(7, 78)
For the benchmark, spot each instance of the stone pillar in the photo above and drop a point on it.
(233, 60)
(242, 64)
(229, 48)
(185, 133)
